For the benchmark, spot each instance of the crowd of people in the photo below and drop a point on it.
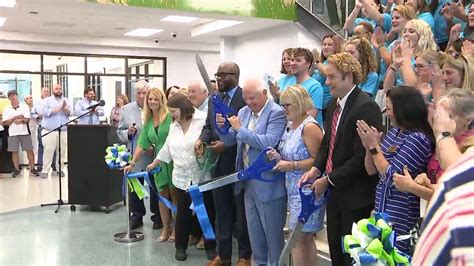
(323, 121)
(409, 60)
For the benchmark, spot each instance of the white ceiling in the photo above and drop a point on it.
(71, 18)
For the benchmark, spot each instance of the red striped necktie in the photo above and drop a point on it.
(332, 140)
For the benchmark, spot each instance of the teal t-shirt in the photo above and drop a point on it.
(315, 91)
(286, 80)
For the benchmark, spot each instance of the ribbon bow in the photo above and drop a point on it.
(117, 157)
(373, 242)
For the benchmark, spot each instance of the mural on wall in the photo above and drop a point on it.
(272, 9)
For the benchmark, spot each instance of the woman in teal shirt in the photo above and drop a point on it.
(156, 126)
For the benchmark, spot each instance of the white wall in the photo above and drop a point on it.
(259, 52)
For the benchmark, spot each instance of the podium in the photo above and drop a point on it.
(91, 182)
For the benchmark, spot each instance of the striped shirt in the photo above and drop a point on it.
(414, 150)
(448, 230)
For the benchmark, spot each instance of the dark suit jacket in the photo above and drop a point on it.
(354, 188)
(226, 163)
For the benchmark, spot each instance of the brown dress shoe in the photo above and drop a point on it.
(243, 262)
(217, 261)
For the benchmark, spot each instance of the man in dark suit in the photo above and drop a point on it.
(229, 207)
(340, 160)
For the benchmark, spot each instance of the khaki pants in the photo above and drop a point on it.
(50, 143)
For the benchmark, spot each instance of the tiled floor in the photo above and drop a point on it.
(28, 191)
(33, 235)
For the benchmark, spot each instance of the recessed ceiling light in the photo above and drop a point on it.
(213, 26)
(179, 19)
(8, 3)
(142, 32)
(2, 21)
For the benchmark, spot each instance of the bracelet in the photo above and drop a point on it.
(294, 164)
(132, 163)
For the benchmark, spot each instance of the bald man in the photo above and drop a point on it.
(259, 125)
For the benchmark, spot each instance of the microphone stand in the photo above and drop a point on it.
(60, 201)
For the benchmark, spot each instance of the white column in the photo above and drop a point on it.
(227, 48)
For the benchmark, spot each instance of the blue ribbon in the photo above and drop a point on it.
(201, 213)
(260, 165)
(146, 177)
(224, 110)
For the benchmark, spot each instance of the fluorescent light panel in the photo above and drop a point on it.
(213, 26)
(2, 21)
(179, 19)
(143, 32)
(8, 3)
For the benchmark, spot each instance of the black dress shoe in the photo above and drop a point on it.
(180, 254)
(157, 225)
(136, 224)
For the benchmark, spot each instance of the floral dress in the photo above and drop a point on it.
(292, 148)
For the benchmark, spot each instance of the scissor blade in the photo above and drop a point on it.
(290, 244)
(226, 180)
(204, 75)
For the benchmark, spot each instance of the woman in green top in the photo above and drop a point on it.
(156, 125)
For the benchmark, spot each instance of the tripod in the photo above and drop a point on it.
(60, 201)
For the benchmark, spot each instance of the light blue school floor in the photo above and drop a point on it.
(34, 235)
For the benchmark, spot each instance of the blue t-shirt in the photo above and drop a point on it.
(370, 85)
(429, 19)
(284, 81)
(315, 91)
(326, 90)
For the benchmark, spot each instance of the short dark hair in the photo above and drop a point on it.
(306, 53)
(410, 109)
(87, 90)
(289, 51)
(182, 102)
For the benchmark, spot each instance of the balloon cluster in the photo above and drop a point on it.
(117, 156)
(373, 243)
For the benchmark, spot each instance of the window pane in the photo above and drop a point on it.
(24, 84)
(20, 62)
(69, 64)
(155, 67)
(105, 65)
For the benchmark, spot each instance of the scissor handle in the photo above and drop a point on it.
(142, 174)
(308, 201)
(224, 110)
(258, 167)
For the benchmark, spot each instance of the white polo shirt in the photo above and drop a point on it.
(17, 129)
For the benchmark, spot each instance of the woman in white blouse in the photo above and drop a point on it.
(179, 148)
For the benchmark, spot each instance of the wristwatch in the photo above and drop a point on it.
(443, 135)
(374, 151)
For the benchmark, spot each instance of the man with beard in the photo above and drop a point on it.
(82, 108)
(229, 205)
(56, 111)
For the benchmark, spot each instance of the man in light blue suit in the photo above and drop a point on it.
(259, 125)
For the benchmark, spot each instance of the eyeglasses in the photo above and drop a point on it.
(222, 75)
